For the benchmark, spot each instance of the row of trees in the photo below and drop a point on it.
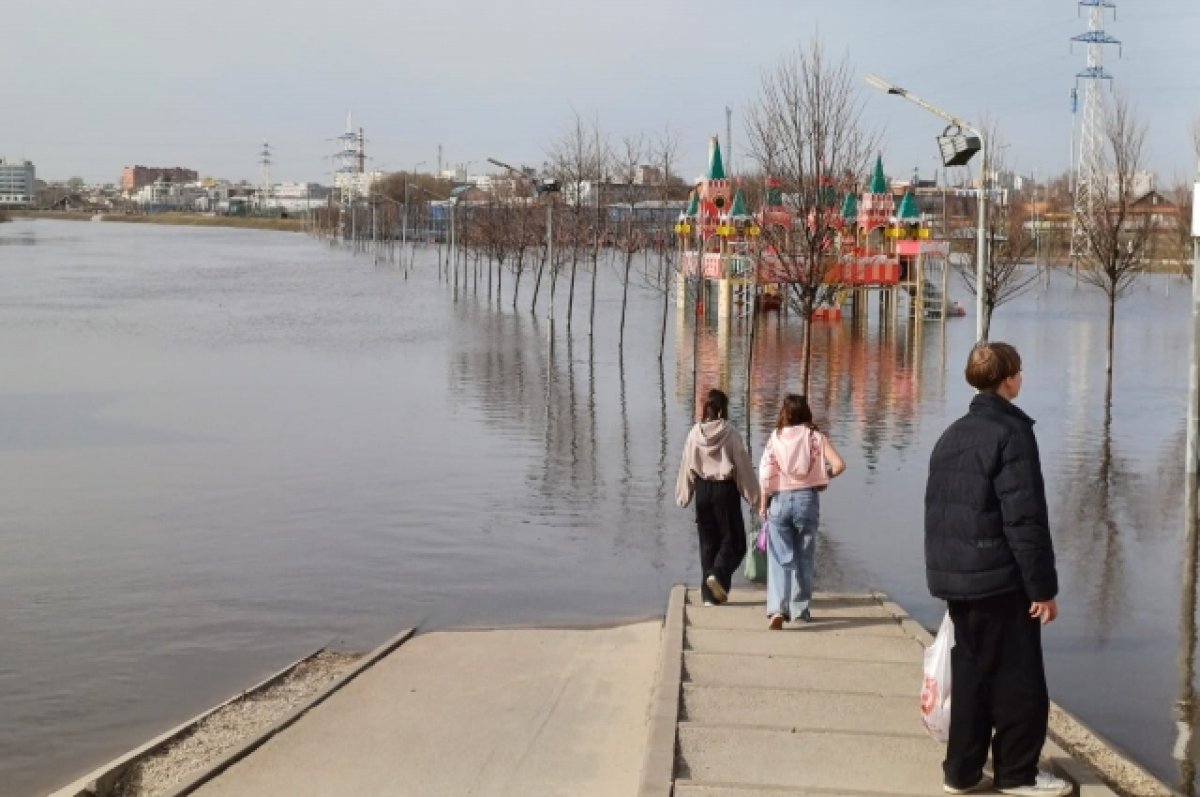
(806, 129)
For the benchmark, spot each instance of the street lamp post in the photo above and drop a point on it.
(981, 247)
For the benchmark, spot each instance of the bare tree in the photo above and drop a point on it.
(805, 129)
(1115, 240)
(576, 160)
(1010, 246)
(666, 148)
(629, 239)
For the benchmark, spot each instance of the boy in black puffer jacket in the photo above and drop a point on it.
(989, 555)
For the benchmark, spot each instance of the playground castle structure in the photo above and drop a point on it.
(878, 246)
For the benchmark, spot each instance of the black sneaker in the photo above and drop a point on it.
(983, 783)
(718, 592)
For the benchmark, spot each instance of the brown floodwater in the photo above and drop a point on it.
(221, 449)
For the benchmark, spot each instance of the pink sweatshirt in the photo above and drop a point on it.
(793, 459)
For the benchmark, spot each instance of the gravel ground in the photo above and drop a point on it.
(226, 728)
(1122, 775)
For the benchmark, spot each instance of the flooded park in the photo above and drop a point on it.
(224, 448)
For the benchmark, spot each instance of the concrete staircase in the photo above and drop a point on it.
(826, 708)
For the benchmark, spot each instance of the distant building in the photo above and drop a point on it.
(163, 195)
(18, 184)
(134, 178)
(354, 185)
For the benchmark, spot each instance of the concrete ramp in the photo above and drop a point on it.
(525, 712)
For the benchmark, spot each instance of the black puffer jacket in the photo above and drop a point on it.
(986, 526)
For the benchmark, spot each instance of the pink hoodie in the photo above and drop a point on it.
(793, 459)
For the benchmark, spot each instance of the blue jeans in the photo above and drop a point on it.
(791, 547)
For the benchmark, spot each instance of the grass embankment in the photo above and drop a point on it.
(177, 219)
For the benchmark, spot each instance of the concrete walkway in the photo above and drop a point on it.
(526, 712)
(828, 708)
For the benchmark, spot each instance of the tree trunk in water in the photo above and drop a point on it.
(537, 285)
(988, 309)
(1108, 359)
(571, 289)
(516, 289)
(666, 289)
(624, 300)
(592, 301)
(753, 319)
(806, 312)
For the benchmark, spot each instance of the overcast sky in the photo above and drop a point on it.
(90, 87)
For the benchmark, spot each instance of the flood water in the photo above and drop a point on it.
(222, 449)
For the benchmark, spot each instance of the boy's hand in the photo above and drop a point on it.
(1045, 611)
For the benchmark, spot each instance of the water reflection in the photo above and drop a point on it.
(18, 239)
(1185, 705)
(1091, 535)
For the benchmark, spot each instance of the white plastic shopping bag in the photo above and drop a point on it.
(935, 692)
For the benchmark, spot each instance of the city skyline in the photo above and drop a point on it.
(203, 86)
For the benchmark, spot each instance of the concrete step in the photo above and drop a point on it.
(862, 619)
(793, 709)
(812, 642)
(758, 594)
(688, 788)
(839, 762)
(831, 675)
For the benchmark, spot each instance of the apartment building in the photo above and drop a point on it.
(134, 178)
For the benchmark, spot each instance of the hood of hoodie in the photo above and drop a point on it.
(709, 436)
(797, 449)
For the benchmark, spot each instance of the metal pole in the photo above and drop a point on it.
(404, 223)
(981, 238)
(550, 256)
(1193, 406)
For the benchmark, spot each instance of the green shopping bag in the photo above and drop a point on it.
(755, 567)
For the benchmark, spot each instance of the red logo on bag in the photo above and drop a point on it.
(929, 696)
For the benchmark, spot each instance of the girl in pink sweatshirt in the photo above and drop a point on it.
(797, 464)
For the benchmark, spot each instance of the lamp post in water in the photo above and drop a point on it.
(957, 149)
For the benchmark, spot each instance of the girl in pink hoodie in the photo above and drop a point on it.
(797, 464)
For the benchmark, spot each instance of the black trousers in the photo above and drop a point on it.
(998, 692)
(722, 531)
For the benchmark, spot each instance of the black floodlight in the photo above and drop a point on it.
(957, 147)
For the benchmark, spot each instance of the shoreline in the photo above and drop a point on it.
(170, 219)
(1089, 759)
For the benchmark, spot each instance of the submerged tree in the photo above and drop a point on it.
(805, 130)
(1115, 239)
(578, 160)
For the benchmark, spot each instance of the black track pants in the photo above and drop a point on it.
(998, 692)
(722, 531)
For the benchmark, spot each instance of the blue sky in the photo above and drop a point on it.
(91, 87)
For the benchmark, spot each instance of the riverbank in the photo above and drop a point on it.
(707, 701)
(174, 219)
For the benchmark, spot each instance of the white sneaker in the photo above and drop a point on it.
(1044, 785)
